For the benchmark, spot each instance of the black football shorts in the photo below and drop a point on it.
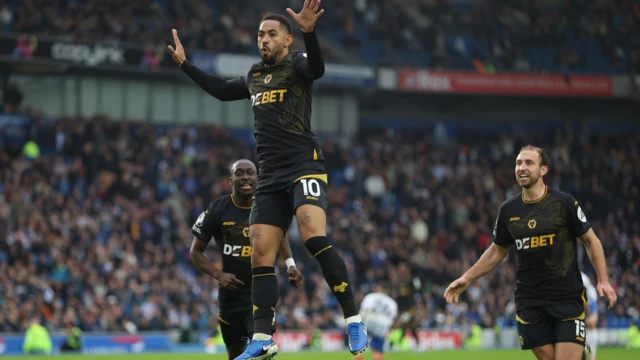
(281, 192)
(551, 324)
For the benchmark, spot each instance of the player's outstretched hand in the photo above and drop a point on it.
(308, 16)
(455, 289)
(229, 281)
(295, 276)
(604, 288)
(177, 54)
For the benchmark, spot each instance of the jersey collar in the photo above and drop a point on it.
(546, 191)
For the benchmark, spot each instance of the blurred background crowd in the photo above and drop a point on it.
(97, 226)
(566, 36)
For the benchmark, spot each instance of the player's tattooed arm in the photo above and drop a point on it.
(594, 249)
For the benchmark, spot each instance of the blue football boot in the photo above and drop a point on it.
(259, 350)
(358, 338)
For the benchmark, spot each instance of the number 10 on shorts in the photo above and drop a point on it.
(310, 186)
(580, 328)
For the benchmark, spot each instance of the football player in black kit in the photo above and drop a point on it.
(227, 221)
(543, 224)
(293, 180)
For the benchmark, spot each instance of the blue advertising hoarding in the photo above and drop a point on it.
(98, 344)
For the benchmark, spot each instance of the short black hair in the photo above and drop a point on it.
(233, 166)
(279, 18)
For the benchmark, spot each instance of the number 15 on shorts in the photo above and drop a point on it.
(580, 328)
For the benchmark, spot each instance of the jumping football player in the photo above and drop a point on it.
(292, 179)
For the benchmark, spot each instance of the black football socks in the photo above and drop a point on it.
(264, 295)
(335, 273)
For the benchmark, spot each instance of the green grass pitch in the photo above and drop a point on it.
(603, 354)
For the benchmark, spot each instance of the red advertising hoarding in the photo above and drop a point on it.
(292, 341)
(504, 84)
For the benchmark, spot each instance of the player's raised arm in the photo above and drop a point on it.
(312, 67)
(221, 89)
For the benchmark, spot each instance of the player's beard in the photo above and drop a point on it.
(272, 56)
(533, 180)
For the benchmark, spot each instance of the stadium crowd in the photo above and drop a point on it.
(97, 224)
(572, 36)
